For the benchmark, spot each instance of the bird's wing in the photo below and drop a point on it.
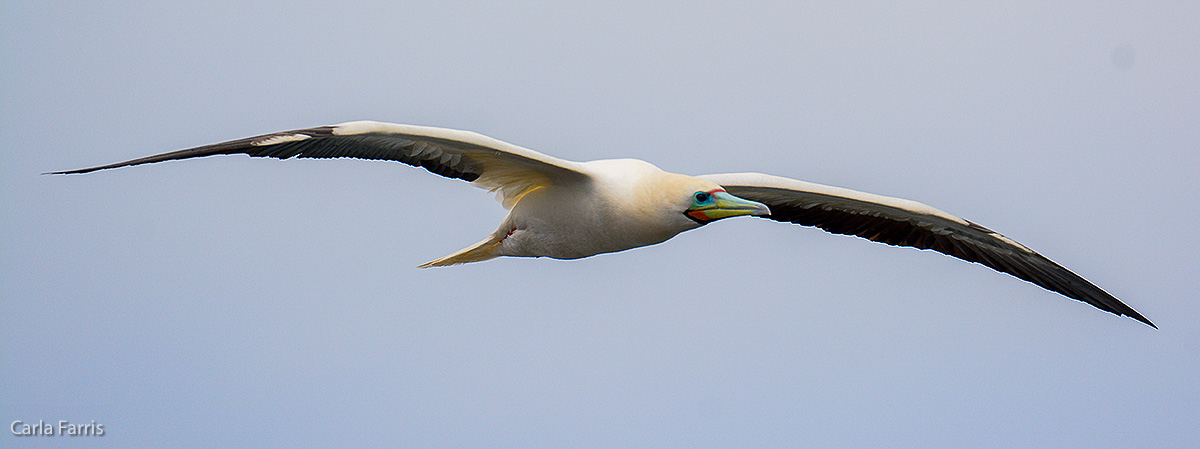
(902, 222)
(508, 169)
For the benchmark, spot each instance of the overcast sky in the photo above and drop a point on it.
(238, 302)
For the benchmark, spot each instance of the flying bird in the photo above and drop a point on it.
(569, 210)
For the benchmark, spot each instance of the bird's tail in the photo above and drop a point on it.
(488, 248)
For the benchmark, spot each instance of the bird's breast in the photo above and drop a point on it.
(572, 225)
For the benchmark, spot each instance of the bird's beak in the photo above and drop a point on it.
(725, 205)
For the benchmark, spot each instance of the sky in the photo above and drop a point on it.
(238, 302)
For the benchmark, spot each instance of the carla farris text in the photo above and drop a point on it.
(64, 428)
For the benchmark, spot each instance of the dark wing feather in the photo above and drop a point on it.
(908, 223)
(488, 162)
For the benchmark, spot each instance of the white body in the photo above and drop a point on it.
(594, 217)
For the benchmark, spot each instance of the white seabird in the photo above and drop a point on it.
(568, 210)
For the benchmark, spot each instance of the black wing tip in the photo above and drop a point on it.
(1137, 316)
(81, 171)
(230, 147)
(72, 172)
(1114, 306)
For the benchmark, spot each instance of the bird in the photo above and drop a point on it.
(569, 210)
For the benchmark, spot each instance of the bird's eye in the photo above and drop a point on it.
(702, 197)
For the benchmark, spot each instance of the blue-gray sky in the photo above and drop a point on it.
(237, 302)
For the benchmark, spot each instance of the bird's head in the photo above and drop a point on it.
(700, 201)
(656, 205)
(714, 204)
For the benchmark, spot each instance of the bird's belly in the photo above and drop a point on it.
(574, 238)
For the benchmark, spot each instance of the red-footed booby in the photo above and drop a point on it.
(569, 210)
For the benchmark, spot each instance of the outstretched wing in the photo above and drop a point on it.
(483, 161)
(902, 222)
